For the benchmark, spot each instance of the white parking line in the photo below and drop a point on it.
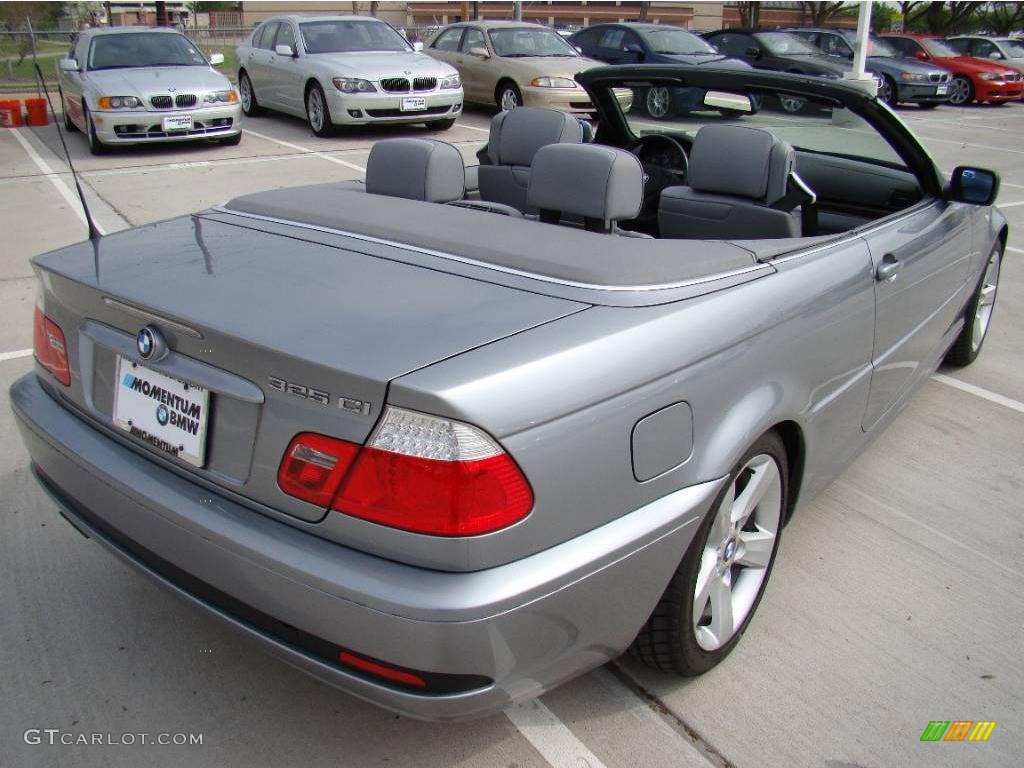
(550, 736)
(971, 389)
(1015, 250)
(473, 128)
(964, 143)
(15, 355)
(306, 150)
(58, 182)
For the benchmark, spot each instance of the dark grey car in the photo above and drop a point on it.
(365, 426)
(901, 80)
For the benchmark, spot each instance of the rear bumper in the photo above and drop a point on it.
(526, 626)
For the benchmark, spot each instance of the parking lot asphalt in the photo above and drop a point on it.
(897, 598)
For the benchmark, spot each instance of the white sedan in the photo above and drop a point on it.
(136, 86)
(344, 70)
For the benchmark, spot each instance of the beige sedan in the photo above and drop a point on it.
(511, 64)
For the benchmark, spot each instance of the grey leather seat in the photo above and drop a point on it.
(515, 137)
(417, 169)
(602, 185)
(735, 176)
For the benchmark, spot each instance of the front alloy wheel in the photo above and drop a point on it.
(791, 104)
(719, 583)
(317, 111)
(887, 91)
(509, 97)
(978, 315)
(658, 102)
(961, 91)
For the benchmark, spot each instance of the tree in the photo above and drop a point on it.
(750, 14)
(820, 13)
(938, 17)
(1003, 18)
(882, 17)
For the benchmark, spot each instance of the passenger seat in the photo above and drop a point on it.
(516, 136)
(736, 188)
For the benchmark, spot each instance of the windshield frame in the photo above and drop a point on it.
(204, 62)
(303, 25)
(545, 31)
(650, 34)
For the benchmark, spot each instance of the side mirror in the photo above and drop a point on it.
(216, 59)
(68, 65)
(976, 186)
(417, 46)
(578, 49)
(921, 55)
(995, 55)
(479, 50)
(283, 50)
(752, 52)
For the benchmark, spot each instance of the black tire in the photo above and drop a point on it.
(962, 91)
(507, 95)
(96, 146)
(69, 126)
(658, 102)
(247, 93)
(668, 641)
(320, 125)
(887, 92)
(967, 347)
(441, 125)
(930, 105)
(231, 141)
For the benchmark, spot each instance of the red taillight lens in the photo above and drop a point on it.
(381, 670)
(419, 473)
(443, 498)
(313, 467)
(50, 348)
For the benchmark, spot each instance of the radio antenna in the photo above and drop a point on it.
(94, 233)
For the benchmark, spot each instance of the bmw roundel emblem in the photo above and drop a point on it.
(162, 414)
(146, 343)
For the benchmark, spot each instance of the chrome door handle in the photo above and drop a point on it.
(889, 268)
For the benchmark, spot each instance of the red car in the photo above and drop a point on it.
(973, 79)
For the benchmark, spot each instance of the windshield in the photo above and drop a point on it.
(1012, 48)
(143, 49)
(675, 41)
(529, 41)
(938, 48)
(784, 43)
(878, 47)
(344, 36)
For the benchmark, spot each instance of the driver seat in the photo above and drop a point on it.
(736, 188)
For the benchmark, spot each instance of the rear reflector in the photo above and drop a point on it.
(380, 670)
(50, 348)
(417, 472)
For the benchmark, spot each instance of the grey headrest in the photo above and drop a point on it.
(417, 169)
(588, 180)
(746, 162)
(517, 134)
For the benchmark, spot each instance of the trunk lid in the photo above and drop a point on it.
(286, 335)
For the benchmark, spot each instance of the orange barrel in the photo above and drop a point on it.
(11, 110)
(36, 109)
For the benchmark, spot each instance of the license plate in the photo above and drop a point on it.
(167, 413)
(178, 123)
(414, 104)
(941, 90)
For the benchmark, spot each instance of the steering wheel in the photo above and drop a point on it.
(665, 164)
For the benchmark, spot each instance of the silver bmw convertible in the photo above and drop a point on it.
(140, 85)
(447, 448)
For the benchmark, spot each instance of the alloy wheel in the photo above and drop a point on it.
(245, 87)
(738, 552)
(960, 91)
(658, 101)
(315, 110)
(986, 301)
(509, 99)
(885, 91)
(791, 104)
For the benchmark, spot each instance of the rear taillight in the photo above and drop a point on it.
(313, 467)
(419, 473)
(50, 348)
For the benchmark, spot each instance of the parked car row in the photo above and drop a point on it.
(131, 86)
